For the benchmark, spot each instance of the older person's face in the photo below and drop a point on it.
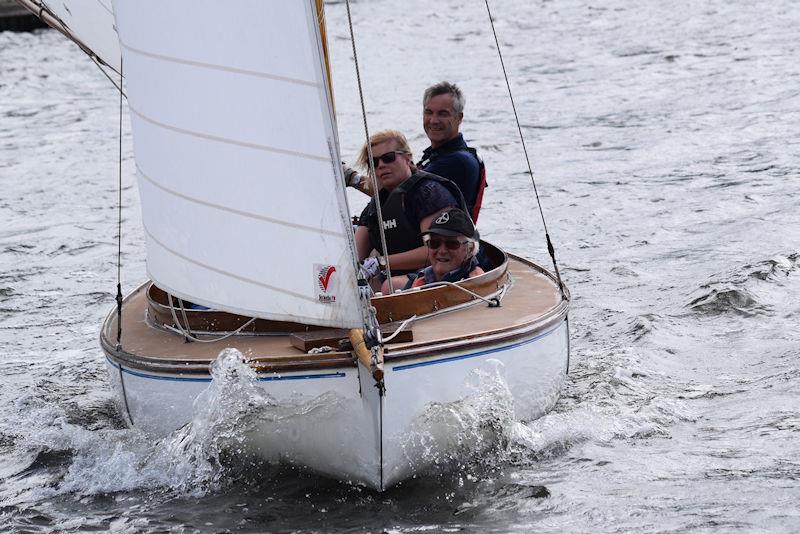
(440, 121)
(393, 173)
(444, 258)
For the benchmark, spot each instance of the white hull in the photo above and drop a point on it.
(334, 421)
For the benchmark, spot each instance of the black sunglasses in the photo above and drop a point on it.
(389, 157)
(450, 244)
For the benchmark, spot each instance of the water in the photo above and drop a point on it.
(665, 139)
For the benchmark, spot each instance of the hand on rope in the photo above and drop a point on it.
(355, 180)
(351, 176)
(370, 268)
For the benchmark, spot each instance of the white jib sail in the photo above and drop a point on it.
(237, 158)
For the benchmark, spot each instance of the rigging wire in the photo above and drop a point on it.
(373, 174)
(188, 335)
(54, 21)
(119, 222)
(550, 248)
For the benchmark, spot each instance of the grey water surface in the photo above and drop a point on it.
(665, 142)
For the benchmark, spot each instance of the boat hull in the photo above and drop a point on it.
(440, 403)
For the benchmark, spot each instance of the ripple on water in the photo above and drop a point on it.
(720, 300)
(747, 290)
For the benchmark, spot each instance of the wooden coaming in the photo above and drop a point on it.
(389, 309)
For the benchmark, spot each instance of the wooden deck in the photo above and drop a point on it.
(533, 301)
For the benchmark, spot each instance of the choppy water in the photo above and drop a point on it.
(665, 138)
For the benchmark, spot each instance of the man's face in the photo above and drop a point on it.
(444, 259)
(440, 121)
(394, 173)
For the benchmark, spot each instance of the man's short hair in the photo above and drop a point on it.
(401, 143)
(445, 88)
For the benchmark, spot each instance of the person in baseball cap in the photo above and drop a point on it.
(452, 243)
(451, 223)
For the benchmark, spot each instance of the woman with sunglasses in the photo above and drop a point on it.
(452, 244)
(410, 201)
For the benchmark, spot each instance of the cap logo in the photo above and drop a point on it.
(443, 218)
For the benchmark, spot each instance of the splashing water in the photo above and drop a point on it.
(222, 414)
(451, 435)
(188, 462)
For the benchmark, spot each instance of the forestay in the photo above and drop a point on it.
(237, 158)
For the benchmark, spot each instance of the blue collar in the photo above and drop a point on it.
(454, 144)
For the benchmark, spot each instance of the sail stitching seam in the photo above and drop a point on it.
(226, 140)
(225, 273)
(224, 68)
(238, 212)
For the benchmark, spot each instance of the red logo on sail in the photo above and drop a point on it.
(325, 283)
(325, 276)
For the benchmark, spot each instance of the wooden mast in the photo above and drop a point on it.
(324, 36)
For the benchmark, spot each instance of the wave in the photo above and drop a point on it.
(723, 300)
(58, 452)
(747, 290)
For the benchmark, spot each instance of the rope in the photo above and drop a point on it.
(493, 302)
(375, 195)
(321, 350)
(185, 318)
(399, 328)
(188, 335)
(119, 222)
(550, 248)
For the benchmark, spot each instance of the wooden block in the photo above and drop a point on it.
(330, 337)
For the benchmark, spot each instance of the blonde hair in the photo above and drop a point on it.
(401, 143)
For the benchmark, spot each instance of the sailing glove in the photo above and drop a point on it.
(370, 268)
(351, 177)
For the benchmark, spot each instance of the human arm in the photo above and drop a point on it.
(425, 204)
(357, 181)
(363, 243)
(476, 271)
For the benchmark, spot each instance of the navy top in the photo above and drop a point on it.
(452, 160)
(426, 198)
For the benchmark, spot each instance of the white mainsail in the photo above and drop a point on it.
(243, 204)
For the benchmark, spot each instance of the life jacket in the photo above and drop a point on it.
(455, 275)
(401, 233)
(482, 183)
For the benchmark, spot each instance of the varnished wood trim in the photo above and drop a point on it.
(389, 308)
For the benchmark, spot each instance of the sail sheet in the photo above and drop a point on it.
(243, 203)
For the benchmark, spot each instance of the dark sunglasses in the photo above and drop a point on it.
(450, 244)
(389, 157)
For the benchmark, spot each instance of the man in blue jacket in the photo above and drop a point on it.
(449, 156)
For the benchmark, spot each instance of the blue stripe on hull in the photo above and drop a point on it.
(473, 354)
(190, 379)
(340, 374)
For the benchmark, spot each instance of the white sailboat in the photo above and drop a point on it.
(246, 218)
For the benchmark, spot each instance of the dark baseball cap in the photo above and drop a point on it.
(453, 222)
